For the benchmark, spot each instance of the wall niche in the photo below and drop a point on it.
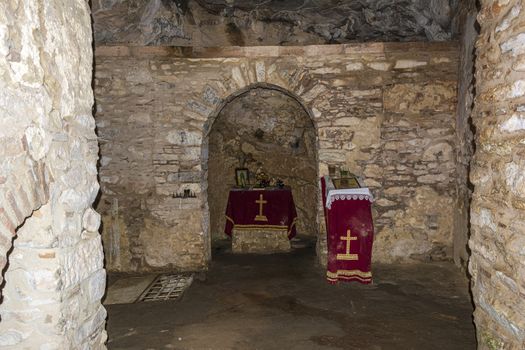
(263, 128)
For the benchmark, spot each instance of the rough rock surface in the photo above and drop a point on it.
(273, 22)
(384, 111)
(48, 179)
(268, 129)
(464, 129)
(497, 242)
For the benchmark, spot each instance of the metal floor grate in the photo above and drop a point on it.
(166, 287)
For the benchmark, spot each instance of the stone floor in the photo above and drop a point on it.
(283, 302)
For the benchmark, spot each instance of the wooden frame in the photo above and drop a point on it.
(242, 177)
(347, 182)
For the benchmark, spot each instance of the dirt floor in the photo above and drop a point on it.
(283, 302)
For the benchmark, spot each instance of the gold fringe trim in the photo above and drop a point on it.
(348, 273)
(258, 227)
(349, 278)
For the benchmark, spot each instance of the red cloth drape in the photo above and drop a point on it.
(350, 234)
(269, 209)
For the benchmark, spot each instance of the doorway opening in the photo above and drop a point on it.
(263, 129)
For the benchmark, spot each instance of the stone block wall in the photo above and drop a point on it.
(384, 111)
(497, 242)
(53, 272)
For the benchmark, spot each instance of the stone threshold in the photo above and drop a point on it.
(274, 51)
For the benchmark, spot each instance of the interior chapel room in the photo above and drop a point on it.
(262, 174)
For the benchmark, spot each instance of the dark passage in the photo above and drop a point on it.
(283, 302)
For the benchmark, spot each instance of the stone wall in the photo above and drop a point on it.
(497, 242)
(54, 275)
(268, 129)
(465, 143)
(384, 111)
(214, 23)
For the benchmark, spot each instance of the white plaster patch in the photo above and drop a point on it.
(91, 220)
(354, 66)
(515, 179)
(514, 123)
(405, 64)
(97, 285)
(316, 112)
(519, 64)
(485, 219)
(326, 70)
(38, 142)
(332, 156)
(238, 77)
(45, 280)
(500, 317)
(73, 200)
(509, 282)
(93, 191)
(11, 337)
(505, 24)
(518, 88)
(260, 71)
(85, 120)
(4, 35)
(381, 66)
(516, 45)
(81, 261)
(482, 250)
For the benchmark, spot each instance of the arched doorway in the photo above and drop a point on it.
(263, 127)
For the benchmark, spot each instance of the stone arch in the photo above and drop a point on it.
(220, 106)
(21, 196)
(207, 127)
(39, 210)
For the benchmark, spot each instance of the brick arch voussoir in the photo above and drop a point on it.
(295, 91)
(21, 195)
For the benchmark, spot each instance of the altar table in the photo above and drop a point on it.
(350, 232)
(261, 209)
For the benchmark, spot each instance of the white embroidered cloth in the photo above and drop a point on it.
(345, 194)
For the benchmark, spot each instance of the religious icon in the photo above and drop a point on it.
(347, 182)
(241, 177)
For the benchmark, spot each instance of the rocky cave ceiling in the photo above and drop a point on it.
(271, 22)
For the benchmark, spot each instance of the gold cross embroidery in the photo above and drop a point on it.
(347, 256)
(261, 202)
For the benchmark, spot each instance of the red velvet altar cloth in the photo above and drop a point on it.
(269, 209)
(350, 233)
